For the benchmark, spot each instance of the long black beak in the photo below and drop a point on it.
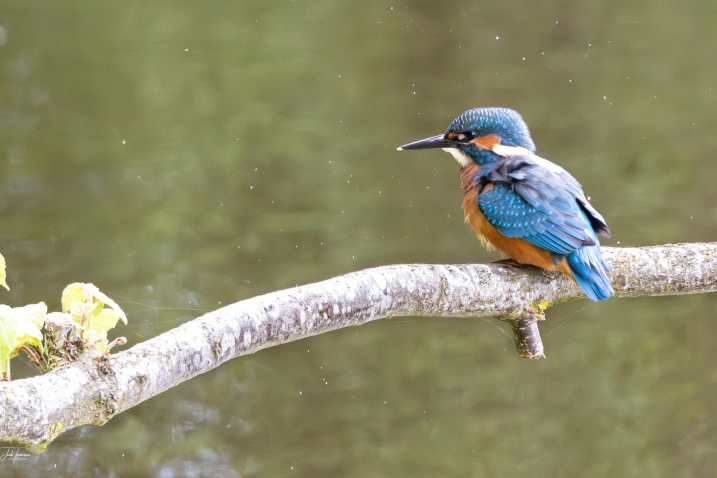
(433, 142)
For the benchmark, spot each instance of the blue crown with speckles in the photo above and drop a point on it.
(504, 122)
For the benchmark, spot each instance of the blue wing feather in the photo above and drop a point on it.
(542, 203)
(552, 226)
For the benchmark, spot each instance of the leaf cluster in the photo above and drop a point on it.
(92, 312)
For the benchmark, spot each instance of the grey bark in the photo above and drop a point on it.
(94, 388)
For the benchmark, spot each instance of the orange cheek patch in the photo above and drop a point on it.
(487, 142)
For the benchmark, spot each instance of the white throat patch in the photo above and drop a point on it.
(462, 158)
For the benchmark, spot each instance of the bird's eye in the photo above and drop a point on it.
(471, 135)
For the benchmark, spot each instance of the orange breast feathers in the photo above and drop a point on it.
(516, 248)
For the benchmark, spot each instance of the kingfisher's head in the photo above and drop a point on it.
(483, 135)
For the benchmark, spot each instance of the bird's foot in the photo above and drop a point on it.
(509, 262)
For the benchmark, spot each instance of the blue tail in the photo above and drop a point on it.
(590, 272)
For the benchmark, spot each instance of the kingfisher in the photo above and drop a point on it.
(529, 209)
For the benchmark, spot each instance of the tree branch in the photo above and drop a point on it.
(95, 387)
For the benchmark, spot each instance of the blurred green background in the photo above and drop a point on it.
(185, 155)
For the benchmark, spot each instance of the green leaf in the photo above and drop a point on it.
(107, 301)
(30, 319)
(76, 311)
(8, 335)
(2, 273)
(95, 335)
(20, 327)
(86, 304)
(101, 345)
(80, 313)
(105, 320)
(79, 292)
(74, 293)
